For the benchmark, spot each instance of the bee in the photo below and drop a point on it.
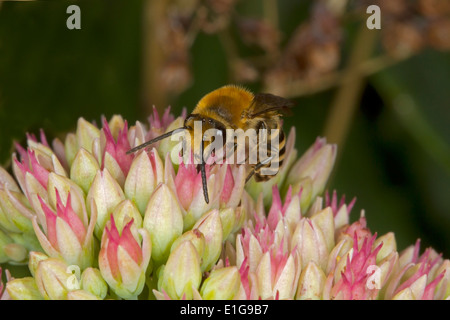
(234, 107)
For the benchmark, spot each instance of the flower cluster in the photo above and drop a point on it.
(93, 222)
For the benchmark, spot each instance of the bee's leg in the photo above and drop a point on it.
(250, 175)
(203, 173)
(262, 125)
(257, 167)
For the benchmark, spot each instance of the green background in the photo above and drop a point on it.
(397, 164)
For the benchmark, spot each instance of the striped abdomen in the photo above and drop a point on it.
(270, 162)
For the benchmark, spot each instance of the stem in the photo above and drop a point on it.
(230, 49)
(348, 95)
(154, 18)
(270, 8)
(195, 27)
(302, 87)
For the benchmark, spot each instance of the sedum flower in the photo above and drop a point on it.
(93, 222)
(311, 282)
(92, 282)
(164, 221)
(53, 279)
(419, 277)
(269, 267)
(312, 170)
(22, 289)
(354, 281)
(123, 260)
(181, 276)
(225, 187)
(66, 236)
(221, 284)
(17, 237)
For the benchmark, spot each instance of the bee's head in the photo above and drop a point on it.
(204, 130)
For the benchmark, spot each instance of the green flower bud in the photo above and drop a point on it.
(181, 274)
(221, 284)
(84, 169)
(93, 282)
(164, 221)
(23, 289)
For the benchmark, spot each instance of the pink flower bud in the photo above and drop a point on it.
(123, 260)
(65, 235)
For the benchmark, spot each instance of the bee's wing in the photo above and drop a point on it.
(266, 102)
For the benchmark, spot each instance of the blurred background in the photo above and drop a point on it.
(382, 95)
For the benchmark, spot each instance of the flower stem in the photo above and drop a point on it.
(348, 94)
(154, 15)
(270, 8)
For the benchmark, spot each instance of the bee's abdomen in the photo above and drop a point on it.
(268, 170)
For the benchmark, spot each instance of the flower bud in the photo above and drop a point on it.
(66, 236)
(195, 237)
(92, 282)
(386, 268)
(34, 190)
(8, 182)
(16, 252)
(232, 186)
(277, 275)
(310, 243)
(181, 275)
(389, 245)
(126, 211)
(443, 288)
(316, 163)
(31, 164)
(106, 193)
(33, 260)
(140, 182)
(228, 220)
(211, 227)
(311, 282)
(23, 289)
(325, 221)
(70, 148)
(86, 133)
(221, 284)
(62, 186)
(84, 169)
(414, 291)
(53, 279)
(11, 217)
(164, 221)
(114, 147)
(305, 188)
(110, 164)
(168, 145)
(248, 249)
(123, 260)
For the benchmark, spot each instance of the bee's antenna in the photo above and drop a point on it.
(203, 173)
(147, 143)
